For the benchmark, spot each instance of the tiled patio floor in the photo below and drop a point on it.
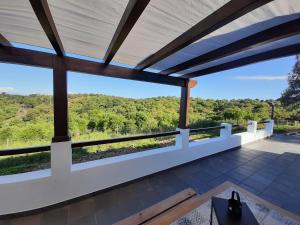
(269, 168)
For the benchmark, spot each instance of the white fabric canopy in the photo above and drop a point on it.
(18, 23)
(272, 14)
(276, 44)
(87, 27)
(161, 22)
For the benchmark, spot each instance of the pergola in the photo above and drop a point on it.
(160, 41)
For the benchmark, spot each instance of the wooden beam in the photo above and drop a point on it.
(4, 41)
(26, 57)
(132, 13)
(184, 106)
(267, 55)
(224, 15)
(42, 59)
(42, 11)
(269, 35)
(60, 101)
(96, 68)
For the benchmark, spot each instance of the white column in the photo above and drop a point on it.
(252, 126)
(61, 158)
(269, 127)
(182, 139)
(227, 131)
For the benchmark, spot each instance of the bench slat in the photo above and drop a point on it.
(157, 209)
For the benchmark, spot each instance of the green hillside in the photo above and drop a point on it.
(28, 121)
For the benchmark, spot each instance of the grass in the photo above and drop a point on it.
(24, 163)
(281, 129)
(116, 149)
(204, 135)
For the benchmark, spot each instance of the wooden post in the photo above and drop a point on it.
(184, 106)
(60, 100)
(272, 110)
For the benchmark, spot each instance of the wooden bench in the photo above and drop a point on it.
(176, 206)
(148, 214)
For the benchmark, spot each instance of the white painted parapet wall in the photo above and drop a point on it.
(64, 181)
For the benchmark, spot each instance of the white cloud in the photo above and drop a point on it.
(284, 77)
(41, 93)
(6, 89)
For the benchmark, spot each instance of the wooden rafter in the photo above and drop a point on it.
(43, 59)
(42, 11)
(267, 55)
(269, 35)
(130, 16)
(224, 15)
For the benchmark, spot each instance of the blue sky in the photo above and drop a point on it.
(264, 80)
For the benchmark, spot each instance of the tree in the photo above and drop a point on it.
(234, 113)
(35, 132)
(102, 121)
(291, 96)
(249, 115)
(91, 125)
(116, 122)
(129, 126)
(5, 134)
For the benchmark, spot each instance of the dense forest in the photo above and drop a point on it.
(28, 120)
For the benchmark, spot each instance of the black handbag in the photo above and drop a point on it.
(235, 205)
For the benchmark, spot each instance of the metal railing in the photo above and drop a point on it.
(19, 151)
(36, 149)
(122, 139)
(237, 125)
(263, 122)
(45, 148)
(206, 129)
